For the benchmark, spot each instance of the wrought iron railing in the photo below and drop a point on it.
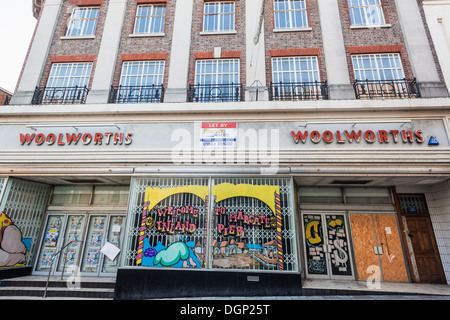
(136, 94)
(386, 89)
(60, 95)
(294, 91)
(232, 92)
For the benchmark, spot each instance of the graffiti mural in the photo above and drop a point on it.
(338, 245)
(247, 228)
(327, 247)
(13, 249)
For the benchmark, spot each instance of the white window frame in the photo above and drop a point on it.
(365, 11)
(216, 65)
(76, 74)
(151, 25)
(143, 75)
(294, 68)
(290, 12)
(220, 16)
(86, 30)
(378, 66)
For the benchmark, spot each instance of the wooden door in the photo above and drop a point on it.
(429, 266)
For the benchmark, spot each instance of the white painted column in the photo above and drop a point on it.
(256, 86)
(339, 86)
(419, 50)
(107, 56)
(176, 90)
(37, 57)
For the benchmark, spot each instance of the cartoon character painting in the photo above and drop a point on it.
(13, 251)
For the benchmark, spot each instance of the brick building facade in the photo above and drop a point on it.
(269, 118)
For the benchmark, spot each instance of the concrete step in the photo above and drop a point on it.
(34, 288)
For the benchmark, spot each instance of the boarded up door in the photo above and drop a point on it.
(377, 243)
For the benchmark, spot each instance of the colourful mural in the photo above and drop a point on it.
(173, 228)
(13, 249)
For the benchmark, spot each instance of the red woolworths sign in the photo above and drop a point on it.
(371, 136)
(62, 139)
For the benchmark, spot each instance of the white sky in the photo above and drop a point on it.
(17, 25)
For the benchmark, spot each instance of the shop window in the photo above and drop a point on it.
(21, 210)
(71, 195)
(368, 195)
(252, 224)
(111, 195)
(320, 195)
(290, 14)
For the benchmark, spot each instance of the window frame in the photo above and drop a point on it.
(215, 64)
(151, 17)
(158, 64)
(296, 72)
(378, 69)
(220, 17)
(363, 9)
(84, 22)
(57, 69)
(290, 11)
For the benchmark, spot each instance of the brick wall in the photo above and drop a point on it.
(372, 37)
(228, 42)
(157, 46)
(75, 47)
(4, 95)
(293, 39)
(202, 46)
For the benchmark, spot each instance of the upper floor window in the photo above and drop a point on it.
(150, 19)
(297, 78)
(67, 84)
(140, 82)
(219, 16)
(70, 75)
(290, 14)
(295, 69)
(381, 76)
(366, 12)
(385, 66)
(216, 80)
(83, 22)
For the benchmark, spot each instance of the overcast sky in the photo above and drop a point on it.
(16, 29)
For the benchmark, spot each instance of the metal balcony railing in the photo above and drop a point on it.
(60, 95)
(136, 94)
(386, 89)
(232, 92)
(295, 91)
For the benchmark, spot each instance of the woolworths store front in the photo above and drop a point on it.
(225, 208)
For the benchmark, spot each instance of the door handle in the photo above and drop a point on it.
(378, 250)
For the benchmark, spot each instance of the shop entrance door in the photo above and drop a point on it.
(421, 235)
(378, 250)
(326, 246)
(83, 236)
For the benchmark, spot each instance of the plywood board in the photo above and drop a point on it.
(363, 241)
(392, 260)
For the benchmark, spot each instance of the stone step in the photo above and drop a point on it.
(34, 287)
